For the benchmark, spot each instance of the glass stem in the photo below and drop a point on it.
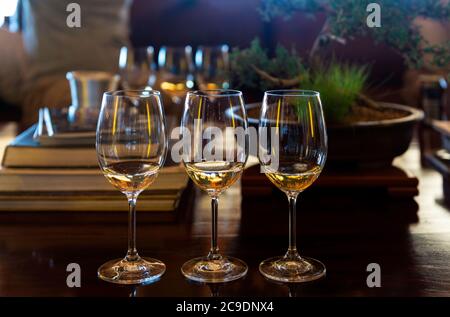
(292, 250)
(214, 252)
(132, 254)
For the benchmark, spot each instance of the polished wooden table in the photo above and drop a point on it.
(414, 255)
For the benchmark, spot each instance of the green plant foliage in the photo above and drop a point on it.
(270, 9)
(242, 74)
(440, 54)
(347, 19)
(339, 86)
(285, 64)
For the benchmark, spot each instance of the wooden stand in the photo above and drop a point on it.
(378, 200)
(391, 182)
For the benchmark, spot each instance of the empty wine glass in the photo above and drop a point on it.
(131, 148)
(137, 68)
(212, 66)
(175, 74)
(293, 150)
(215, 134)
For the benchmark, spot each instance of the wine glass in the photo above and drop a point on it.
(293, 150)
(215, 150)
(175, 72)
(212, 66)
(131, 146)
(137, 67)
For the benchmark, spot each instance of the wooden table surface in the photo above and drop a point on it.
(414, 257)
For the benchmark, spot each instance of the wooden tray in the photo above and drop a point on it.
(390, 182)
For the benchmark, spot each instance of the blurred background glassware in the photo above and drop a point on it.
(176, 72)
(44, 126)
(296, 150)
(221, 111)
(86, 90)
(54, 129)
(51, 122)
(212, 66)
(131, 148)
(137, 68)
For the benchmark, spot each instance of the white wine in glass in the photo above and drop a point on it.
(131, 176)
(217, 115)
(131, 148)
(214, 176)
(294, 147)
(294, 177)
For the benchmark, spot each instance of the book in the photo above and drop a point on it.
(25, 151)
(62, 174)
(76, 138)
(86, 205)
(64, 189)
(12, 180)
(94, 209)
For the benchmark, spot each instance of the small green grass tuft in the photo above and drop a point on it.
(339, 86)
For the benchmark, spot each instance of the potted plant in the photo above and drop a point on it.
(361, 130)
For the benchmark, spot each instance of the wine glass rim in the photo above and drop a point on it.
(292, 93)
(220, 47)
(134, 92)
(176, 48)
(135, 48)
(216, 92)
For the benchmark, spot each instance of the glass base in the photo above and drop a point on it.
(292, 269)
(205, 270)
(122, 271)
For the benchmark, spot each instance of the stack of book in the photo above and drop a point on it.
(37, 177)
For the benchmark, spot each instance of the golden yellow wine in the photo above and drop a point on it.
(214, 176)
(294, 178)
(131, 176)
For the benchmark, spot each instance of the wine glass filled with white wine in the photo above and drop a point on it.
(215, 134)
(131, 148)
(293, 150)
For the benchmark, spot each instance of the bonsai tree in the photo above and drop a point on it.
(341, 85)
(346, 19)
